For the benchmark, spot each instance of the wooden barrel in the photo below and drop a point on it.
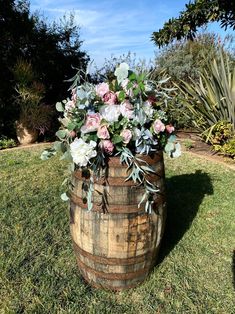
(116, 247)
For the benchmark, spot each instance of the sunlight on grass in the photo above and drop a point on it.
(38, 269)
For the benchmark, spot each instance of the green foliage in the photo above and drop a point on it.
(6, 142)
(228, 148)
(221, 133)
(223, 138)
(34, 114)
(212, 99)
(196, 15)
(184, 60)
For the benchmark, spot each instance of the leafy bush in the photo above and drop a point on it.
(186, 59)
(223, 138)
(228, 148)
(6, 142)
(34, 113)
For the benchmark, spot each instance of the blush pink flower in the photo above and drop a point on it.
(110, 98)
(103, 132)
(101, 89)
(170, 128)
(107, 146)
(158, 126)
(72, 133)
(126, 109)
(127, 135)
(92, 123)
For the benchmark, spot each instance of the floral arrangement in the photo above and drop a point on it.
(125, 118)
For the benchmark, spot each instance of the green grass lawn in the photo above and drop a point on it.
(38, 269)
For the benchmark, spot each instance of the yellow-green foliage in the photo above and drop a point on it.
(223, 138)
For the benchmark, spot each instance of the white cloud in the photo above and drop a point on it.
(109, 26)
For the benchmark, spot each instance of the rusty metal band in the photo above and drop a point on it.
(112, 276)
(118, 181)
(112, 288)
(113, 261)
(115, 161)
(115, 209)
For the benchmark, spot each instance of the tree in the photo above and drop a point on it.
(197, 14)
(52, 50)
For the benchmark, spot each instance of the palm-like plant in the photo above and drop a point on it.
(212, 99)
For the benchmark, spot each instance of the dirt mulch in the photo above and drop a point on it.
(192, 144)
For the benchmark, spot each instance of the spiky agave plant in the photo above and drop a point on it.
(212, 99)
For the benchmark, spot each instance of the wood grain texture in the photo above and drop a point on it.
(117, 249)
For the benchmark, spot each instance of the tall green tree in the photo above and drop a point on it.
(195, 15)
(52, 50)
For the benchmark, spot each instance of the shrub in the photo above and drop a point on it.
(212, 99)
(6, 142)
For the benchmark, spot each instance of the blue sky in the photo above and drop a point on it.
(116, 26)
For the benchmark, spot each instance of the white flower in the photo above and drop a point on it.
(110, 113)
(82, 152)
(121, 72)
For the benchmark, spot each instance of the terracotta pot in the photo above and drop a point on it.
(24, 135)
(116, 247)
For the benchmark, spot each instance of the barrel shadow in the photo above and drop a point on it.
(184, 196)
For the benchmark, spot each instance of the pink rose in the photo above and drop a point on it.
(92, 123)
(158, 126)
(103, 132)
(126, 109)
(127, 135)
(110, 98)
(170, 128)
(102, 89)
(107, 146)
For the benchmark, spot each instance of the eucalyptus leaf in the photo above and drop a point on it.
(61, 134)
(59, 107)
(169, 147)
(66, 156)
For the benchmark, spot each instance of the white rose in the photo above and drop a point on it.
(82, 152)
(110, 113)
